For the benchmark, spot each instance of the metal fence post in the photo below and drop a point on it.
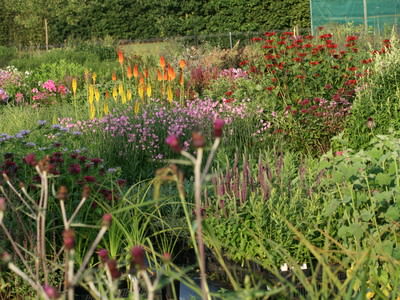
(230, 39)
(365, 15)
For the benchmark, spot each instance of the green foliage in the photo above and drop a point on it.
(57, 71)
(365, 198)
(276, 194)
(377, 107)
(7, 54)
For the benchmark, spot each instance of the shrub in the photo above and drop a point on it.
(376, 108)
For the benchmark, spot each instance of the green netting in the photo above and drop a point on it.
(381, 14)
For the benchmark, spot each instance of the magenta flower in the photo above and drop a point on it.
(138, 257)
(90, 178)
(218, 125)
(106, 220)
(74, 169)
(173, 142)
(103, 254)
(51, 292)
(30, 159)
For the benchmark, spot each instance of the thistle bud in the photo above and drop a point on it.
(137, 253)
(103, 255)
(113, 268)
(62, 193)
(44, 164)
(166, 258)
(51, 292)
(86, 191)
(106, 220)
(3, 204)
(370, 123)
(198, 140)
(5, 257)
(69, 239)
(218, 125)
(173, 142)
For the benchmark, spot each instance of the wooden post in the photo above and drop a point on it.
(46, 34)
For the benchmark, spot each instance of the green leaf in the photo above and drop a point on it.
(383, 179)
(356, 230)
(393, 213)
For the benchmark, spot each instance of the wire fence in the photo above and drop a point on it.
(223, 40)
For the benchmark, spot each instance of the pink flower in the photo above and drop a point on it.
(50, 86)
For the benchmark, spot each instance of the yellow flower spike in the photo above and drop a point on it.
(92, 112)
(97, 95)
(370, 295)
(74, 86)
(129, 95)
(123, 98)
(136, 107)
(170, 95)
(141, 91)
(148, 90)
(94, 76)
(120, 89)
(91, 94)
(115, 93)
(106, 109)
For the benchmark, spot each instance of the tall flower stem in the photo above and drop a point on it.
(200, 242)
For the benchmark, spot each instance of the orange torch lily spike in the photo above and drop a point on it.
(171, 73)
(120, 57)
(136, 71)
(159, 75)
(181, 78)
(114, 76)
(129, 73)
(162, 62)
(182, 64)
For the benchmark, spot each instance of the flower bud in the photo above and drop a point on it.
(86, 191)
(113, 268)
(198, 140)
(103, 254)
(69, 239)
(370, 123)
(51, 292)
(3, 204)
(106, 220)
(166, 258)
(62, 193)
(173, 142)
(218, 125)
(137, 253)
(44, 164)
(5, 257)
